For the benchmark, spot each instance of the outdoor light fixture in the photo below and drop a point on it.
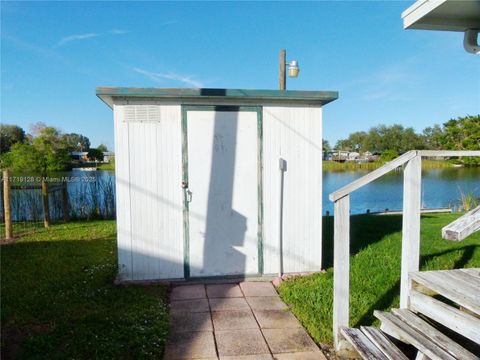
(293, 69)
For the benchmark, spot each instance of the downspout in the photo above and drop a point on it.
(470, 41)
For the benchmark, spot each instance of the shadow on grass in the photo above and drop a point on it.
(59, 300)
(364, 231)
(386, 300)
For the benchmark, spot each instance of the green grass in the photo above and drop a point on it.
(107, 166)
(59, 300)
(375, 269)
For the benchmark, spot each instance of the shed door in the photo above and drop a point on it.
(222, 178)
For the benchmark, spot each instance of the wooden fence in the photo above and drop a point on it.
(45, 187)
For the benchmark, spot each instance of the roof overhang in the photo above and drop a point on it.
(109, 94)
(448, 15)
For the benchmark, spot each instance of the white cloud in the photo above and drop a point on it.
(161, 77)
(79, 37)
(76, 37)
(118, 32)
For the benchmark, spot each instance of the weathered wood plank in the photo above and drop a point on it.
(362, 344)
(402, 330)
(448, 288)
(450, 317)
(472, 272)
(449, 153)
(463, 227)
(364, 180)
(341, 266)
(433, 334)
(470, 283)
(383, 343)
(412, 197)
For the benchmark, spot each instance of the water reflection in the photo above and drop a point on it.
(440, 188)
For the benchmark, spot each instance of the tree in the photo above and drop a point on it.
(462, 133)
(9, 135)
(95, 155)
(103, 147)
(47, 151)
(354, 142)
(23, 158)
(432, 137)
(37, 128)
(77, 142)
(381, 138)
(53, 148)
(388, 155)
(325, 146)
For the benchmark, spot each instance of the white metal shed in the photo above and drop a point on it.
(198, 181)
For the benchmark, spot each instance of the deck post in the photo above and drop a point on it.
(341, 267)
(412, 195)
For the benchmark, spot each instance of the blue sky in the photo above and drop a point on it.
(53, 55)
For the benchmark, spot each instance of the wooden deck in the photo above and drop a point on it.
(439, 313)
(442, 320)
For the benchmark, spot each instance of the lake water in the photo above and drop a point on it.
(440, 188)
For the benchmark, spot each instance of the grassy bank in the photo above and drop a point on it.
(59, 300)
(107, 166)
(375, 269)
(352, 165)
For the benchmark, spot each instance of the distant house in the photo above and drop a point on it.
(353, 155)
(339, 155)
(108, 156)
(79, 155)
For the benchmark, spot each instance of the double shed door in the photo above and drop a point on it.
(222, 190)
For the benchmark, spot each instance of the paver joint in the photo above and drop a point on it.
(236, 322)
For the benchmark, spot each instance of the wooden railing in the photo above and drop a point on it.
(410, 230)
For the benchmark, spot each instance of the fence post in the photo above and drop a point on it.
(6, 205)
(341, 267)
(66, 209)
(46, 211)
(412, 195)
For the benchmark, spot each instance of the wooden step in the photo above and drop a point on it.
(463, 226)
(446, 315)
(365, 348)
(451, 285)
(383, 343)
(409, 328)
(435, 335)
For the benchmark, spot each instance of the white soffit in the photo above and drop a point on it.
(448, 15)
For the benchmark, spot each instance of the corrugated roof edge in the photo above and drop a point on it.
(321, 97)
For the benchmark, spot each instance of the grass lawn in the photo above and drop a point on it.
(59, 301)
(375, 269)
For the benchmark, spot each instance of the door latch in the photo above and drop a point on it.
(188, 195)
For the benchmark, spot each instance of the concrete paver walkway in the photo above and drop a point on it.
(235, 321)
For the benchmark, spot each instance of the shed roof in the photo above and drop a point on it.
(449, 15)
(107, 94)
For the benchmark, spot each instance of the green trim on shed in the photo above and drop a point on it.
(186, 228)
(186, 238)
(312, 97)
